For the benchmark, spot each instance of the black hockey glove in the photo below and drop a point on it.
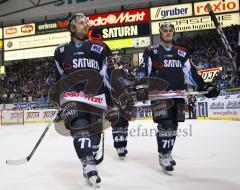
(124, 102)
(112, 114)
(213, 91)
(142, 92)
(141, 87)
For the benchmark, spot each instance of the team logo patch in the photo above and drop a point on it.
(155, 51)
(96, 48)
(140, 75)
(181, 53)
(154, 46)
(62, 49)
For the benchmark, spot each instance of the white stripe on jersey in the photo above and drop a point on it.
(149, 65)
(187, 73)
(59, 68)
(103, 72)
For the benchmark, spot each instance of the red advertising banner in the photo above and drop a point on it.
(120, 17)
(97, 20)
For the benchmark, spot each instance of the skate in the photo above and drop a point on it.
(90, 171)
(172, 161)
(122, 153)
(91, 175)
(165, 164)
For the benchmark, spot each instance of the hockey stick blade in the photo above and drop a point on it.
(17, 162)
(28, 158)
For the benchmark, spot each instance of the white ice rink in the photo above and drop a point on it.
(207, 155)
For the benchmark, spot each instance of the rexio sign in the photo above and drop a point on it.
(120, 17)
(218, 6)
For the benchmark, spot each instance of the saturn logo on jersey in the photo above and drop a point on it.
(172, 63)
(85, 63)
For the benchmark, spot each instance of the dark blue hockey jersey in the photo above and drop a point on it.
(172, 65)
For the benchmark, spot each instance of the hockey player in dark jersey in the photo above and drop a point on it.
(118, 122)
(89, 56)
(170, 63)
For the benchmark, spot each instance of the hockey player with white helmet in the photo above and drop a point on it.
(171, 64)
(89, 58)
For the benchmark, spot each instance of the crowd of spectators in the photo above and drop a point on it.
(30, 79)
(207, 52)
(26, 81)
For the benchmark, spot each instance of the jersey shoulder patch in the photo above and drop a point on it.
(180, 48)
(98, 42)
(181, 51)
(153, 48)
(62, 47)
(150, 47)
(97, 48)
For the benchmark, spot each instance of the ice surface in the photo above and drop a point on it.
(207, 155)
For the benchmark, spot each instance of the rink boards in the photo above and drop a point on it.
(221, 108)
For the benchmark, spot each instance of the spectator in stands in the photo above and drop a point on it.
(192, 106)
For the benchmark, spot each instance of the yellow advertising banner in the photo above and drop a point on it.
(128, 43)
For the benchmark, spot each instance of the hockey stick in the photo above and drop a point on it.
(174, 94)
(99, 160)
(222, 35)
(158, 95)
(28, 158)
(177, 94)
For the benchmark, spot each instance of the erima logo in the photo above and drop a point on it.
(181, 53)
(96, 48)
(47, 26)
(78, 53)
(85, 63)
(172, 63)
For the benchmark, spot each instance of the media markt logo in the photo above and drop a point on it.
(69, 2)
(118, 18)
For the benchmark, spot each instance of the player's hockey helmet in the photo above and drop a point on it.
(115, 57)
(166, 24)
(76, 16)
